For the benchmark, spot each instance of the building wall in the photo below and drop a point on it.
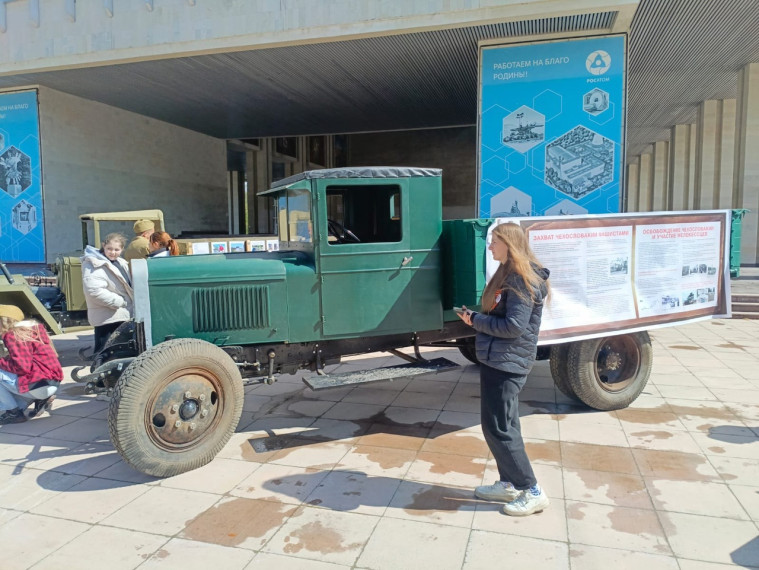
(44, 34)
(97, 158)
(453, 150)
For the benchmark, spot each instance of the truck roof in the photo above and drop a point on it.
(358, 172)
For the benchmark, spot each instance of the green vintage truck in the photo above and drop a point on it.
(366, 264)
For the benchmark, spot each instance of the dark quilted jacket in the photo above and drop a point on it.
(507, 337)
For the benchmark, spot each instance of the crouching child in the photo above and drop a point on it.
(31, 373)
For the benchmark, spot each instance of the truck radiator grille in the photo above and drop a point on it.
(230, 308)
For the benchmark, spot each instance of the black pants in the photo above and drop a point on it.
(499, 393)
(102, 333)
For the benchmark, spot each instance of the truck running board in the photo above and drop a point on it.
(321, 382)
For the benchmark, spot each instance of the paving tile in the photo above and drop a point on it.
(470, 444)
(279, 483)
(22, 489)
(748, 498)
(267, 561)
(354, 491)
(711, 539)
(35, 451)
(333, 430)
(551, 524)
(662, 439)
(606, 435)
(7, 515)
(191, 555)
(82, 430)
(86, 459)
(422, 400)
(38, 426)
(219, 477)
(736, 471)
(161, 510)
(318, 455)
(597, 457)
(426, 502)
(674, 465)
(619, 489)
(121, 471)
(521, 552)
(90, 501)
(413, 544)
(615, 527)
(377, 460)
(237, 522)
(695, 497)
(446, 469)
(584, 557)
(94, 550)
(353, 411)
(728, 445)
(320, 534)
(543, 451)
(49, 535)
(396, 437)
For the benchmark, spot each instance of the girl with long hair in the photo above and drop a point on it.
(31, 366)
(506, 345)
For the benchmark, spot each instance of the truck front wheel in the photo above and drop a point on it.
(175, 407)
(609, 373)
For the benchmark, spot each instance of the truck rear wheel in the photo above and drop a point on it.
(609, 373)
(560, 369)
(175, 407)
(467, 349)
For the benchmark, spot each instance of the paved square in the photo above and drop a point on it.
(381, 476)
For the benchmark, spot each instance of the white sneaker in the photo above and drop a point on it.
(526, 504)
(498, 491)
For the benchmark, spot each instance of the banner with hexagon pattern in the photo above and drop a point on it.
(22, 237)
(551, 127)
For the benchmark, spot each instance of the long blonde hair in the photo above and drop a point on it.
(520, 260)
(23, 331)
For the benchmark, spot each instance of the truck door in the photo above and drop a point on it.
(364, 265)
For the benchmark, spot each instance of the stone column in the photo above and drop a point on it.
(633, 186)
(646, 182)
(714, 154)
(680, 159)
(660, 174)
(706, 155)
(726, 155)
(746, 179)
(690, 204)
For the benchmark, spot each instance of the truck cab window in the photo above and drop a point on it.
(364, 214)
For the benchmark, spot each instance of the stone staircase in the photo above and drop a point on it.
(745, 294)
(745, 305)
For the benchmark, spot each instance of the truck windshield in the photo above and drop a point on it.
(294, 218)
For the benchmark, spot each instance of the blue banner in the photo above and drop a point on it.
(22, 236)
(551, 127)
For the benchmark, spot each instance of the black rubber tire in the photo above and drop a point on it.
(466, 348)
(560, 369)
(609, 373)
(161, 377)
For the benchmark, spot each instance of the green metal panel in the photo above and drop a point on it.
(464, 250)
(384, 287)
(224, 299)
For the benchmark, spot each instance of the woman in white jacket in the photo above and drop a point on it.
(107, 287)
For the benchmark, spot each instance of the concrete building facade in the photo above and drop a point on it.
(194, 106)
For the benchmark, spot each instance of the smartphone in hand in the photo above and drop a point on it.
(459, 310)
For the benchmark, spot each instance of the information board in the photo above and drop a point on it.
(551, 127)
(22, 237)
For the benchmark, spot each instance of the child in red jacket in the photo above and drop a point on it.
(31, 372)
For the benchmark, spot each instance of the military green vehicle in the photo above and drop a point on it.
(71, 307)
(365, 264)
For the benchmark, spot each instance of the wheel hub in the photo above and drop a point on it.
(617, 363)
(183, 409)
